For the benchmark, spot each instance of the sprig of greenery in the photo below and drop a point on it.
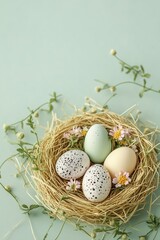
(54, 98)
(139, 78)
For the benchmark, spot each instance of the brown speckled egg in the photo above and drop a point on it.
(96, 183)
(72, 164)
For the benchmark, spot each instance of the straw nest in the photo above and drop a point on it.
(120, 204)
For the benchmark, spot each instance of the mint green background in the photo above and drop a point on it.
(63, 46)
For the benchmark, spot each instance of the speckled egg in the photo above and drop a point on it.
(97, 144)
(72, 164)
(121, 159)
(96, 183)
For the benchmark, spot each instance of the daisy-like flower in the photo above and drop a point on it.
(127, 132)
(67, 135)
(121, 179)
(118, 133)
(84, 131)
(73, 185)
(76, 131)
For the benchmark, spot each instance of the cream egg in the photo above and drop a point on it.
(121, 159)
(97, 143)
(72, 164)
(96, 184)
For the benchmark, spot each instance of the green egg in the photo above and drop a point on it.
(97, 143)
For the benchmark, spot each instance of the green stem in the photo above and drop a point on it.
(149, 232)
(119, 59)
(104, 235)
(46, 235)
(113, 95)
(61, 230)
(42, 105)
(138, 84)
(10, 192)
(9, 158)
(155, 235)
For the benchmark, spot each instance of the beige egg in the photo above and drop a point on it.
(121, 159)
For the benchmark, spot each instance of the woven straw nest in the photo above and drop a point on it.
(120, 204)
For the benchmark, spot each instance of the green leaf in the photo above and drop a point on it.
(135, 67)
(20, 150)
(135, 76)
(25, 206)
(50, 108)
(106, 85)
(129, 70)
(142, 69)
(144, 82)
(34, 206)
(147, 75)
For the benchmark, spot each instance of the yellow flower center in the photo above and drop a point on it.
(84, 132)
(117, 134)
(122, 179)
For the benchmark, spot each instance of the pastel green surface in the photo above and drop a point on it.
(63, 46)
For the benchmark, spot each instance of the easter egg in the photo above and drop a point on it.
(96, 184)
(97, 143)
(121, 159)
(72, 164)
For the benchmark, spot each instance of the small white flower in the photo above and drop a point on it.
(113, 52)
(121, 179)
(76, 131)
(73, 185)
(67, 135)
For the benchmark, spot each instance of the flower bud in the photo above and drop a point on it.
(113, 52)
(6, 127)
(36, 114)
(98, 89)
(93, 235)
(112, 89)
(8, 188)
(142, 238)
(124, 236)
(87, 98)
(20, 135)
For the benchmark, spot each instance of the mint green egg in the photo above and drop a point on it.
(97, 143)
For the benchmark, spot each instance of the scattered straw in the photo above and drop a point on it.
(121, 204)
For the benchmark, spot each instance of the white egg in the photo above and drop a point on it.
(97, 144)
(72, 164)
(96, 183)
(121, 159)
